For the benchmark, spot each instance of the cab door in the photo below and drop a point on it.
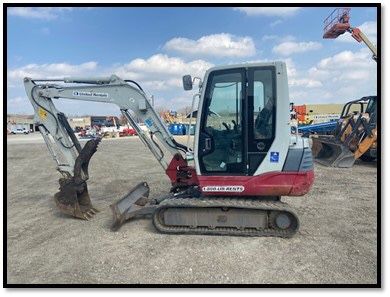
(237, 127)
(221, 148)
(261, 115)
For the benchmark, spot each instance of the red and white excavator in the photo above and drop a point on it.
(230, 183)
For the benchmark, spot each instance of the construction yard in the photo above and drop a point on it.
(336, 243)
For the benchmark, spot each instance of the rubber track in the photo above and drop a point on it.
(228, 203)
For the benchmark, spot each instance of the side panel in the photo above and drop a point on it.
(267, 184)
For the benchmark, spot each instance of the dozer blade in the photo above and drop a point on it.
(133, 203)
(73, 198)
(330, 152)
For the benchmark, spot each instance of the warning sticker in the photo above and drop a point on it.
(274, 157)
(149, 122)
(42, 113)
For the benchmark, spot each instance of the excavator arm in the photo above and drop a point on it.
(72, 160)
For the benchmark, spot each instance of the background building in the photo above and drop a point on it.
(18, 121)
(320, 113)
(90, 121)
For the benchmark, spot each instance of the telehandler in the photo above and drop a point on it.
(245, 157)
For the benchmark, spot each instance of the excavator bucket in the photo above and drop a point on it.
(73, 198)
(330, 152)
(132, 204)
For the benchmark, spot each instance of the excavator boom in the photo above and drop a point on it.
(72, 160)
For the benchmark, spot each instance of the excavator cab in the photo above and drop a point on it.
(238, 123)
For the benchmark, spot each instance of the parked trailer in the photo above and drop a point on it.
(321, 128)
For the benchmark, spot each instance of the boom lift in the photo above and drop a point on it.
(337, 23)
(356, 133)
(245, 156)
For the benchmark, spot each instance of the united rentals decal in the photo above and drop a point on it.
(90, 94)
(223, 189)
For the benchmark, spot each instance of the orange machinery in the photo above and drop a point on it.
(337, 23)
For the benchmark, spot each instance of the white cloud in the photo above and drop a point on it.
(368, 28)
(278, 38)
(344, 62)
(161, 72)
(19, 105)
(299, 78)
(275, 23)
(338, 78)
(347, 69)
(55, 70)
(158, 73)
(42, 13)
(17, 101)
(291, 68)
(163, 64)
(268, 11)
(289, 47)
(305, 82)
(218, 45)
(345, 76)
(45, 31)
(335, 79)
(287, 38)
(269, 37)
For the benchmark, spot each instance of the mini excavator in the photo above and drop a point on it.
(230, 183)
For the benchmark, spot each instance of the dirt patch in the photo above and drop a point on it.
(337, 241)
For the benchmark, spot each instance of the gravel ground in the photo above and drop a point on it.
(337, 241)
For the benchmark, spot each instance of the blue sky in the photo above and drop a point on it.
(156, 46)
